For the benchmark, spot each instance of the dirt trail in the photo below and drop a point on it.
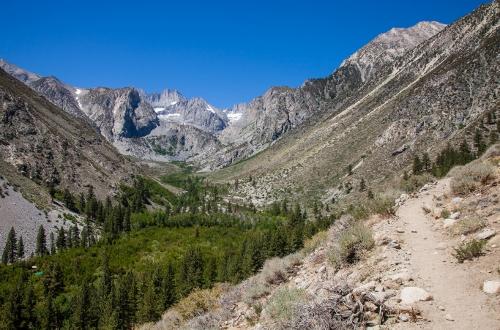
(453, 286)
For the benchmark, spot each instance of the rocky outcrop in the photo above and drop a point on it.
(58, 93)
(118, 113)
(53, 148)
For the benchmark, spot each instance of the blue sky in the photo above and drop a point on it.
(225, 51)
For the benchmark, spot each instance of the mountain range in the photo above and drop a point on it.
(409, 88)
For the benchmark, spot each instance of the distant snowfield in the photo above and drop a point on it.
(170, 116)
(234, 116)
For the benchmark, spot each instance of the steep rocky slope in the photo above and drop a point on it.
(51, 147)
(281, 109)
(434, 93)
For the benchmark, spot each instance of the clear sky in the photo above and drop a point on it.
(224, 51)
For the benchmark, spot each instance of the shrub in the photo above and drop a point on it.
(284, 303)
(445, 213)
(199, 301)
(468, 225)
(353, 243)
(469, 178)
(415, 182)
(469, 250)
(383, 205)
(255, 290)
(314, 242)
(275, 270)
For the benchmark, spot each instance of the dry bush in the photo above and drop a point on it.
(255, 290)
(353, 243)
(283, 306)
(468, 178)
(314, 242)
(469, 250)
(468, 225)
(275, 270)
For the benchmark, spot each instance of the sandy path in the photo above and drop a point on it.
(453, 286)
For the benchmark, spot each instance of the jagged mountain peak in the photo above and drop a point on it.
(389, 45)
(165, 98)
(25, 76)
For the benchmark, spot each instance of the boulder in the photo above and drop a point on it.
(486, 234)
(491, 287)
(412, 294)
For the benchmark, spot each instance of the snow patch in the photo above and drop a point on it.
(159, 109)
(78, 91)
(209, 108)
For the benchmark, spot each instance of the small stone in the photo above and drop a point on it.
(441, 246)
(456, 200)
(414, 231)
(412, 294)
(491, 287)
(455, 215)
(403, 317)
(486, 233)
(400, 231)
(441, 308)
(449, 317)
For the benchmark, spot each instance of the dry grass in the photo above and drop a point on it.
(469, 178)
(415, 182)
(468, 225)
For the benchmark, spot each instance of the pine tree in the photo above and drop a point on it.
(41, 242)
(417, 165)
(10, 251)
(426, 162)
(29, 315)
(69, 200)
(478, 142)
(168, 287)
(61, 239)
(20, 248)
(81, 308)
(362, 185)
(52, 244)
(14, 309)
(106, 284)
(148, 310)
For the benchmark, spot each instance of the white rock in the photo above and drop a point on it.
(448, 222)
(456, 200)
(486, 233)
(441, 308)
(401, 277)
(412, 294)
(491, 287)
(449, 317)
(403, 317)
(455, 215)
